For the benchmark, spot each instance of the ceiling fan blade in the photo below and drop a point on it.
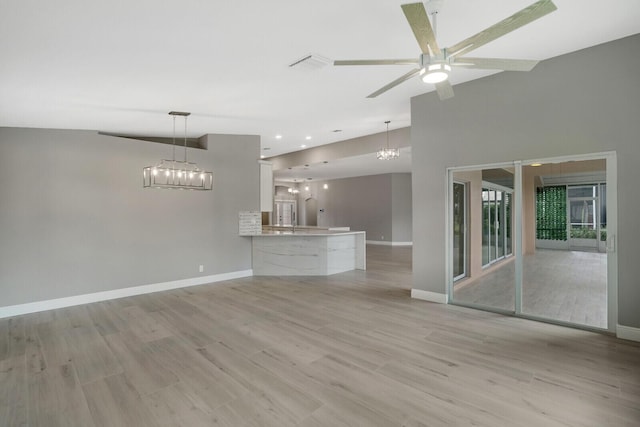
(395, 83)
(419, 22)
(445, 90)
(515, 21)
(495, 63)
(377, 62)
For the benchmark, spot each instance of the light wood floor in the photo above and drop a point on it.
(352, 349)
(570, 286)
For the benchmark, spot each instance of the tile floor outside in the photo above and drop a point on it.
(569, 286)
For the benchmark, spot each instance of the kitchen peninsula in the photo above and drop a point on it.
(308, 252)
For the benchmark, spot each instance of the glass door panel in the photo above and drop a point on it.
(490, 275)
(500, 224)
(459, 230)
(493, 215)
(583, 225)
(564, 275)
(486, 228)
(508, 223)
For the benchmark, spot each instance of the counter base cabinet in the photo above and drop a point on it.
(308, 255)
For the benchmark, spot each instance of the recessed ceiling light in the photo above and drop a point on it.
(307, 137)
(278, 136)
(303, 146)
(262, 156)
(536, 164)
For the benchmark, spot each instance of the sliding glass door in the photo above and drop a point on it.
(496, 223)
(537, 239)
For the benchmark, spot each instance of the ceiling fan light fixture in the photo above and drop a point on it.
(436, 73)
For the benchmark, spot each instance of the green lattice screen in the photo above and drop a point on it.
(551, 213)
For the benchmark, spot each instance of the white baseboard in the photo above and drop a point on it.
(388, 243)
(628, 333)
(52, 304)
(429, 296)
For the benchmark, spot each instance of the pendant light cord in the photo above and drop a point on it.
(387, 122)
(185, 140)
(174, 140)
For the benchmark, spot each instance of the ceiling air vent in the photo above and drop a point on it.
(310, 62)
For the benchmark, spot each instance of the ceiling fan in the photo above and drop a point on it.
(434, 63)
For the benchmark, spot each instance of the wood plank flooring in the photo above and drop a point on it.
(352, 349)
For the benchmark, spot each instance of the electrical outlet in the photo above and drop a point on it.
(201, 268)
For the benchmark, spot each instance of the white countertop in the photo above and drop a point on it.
(304, 233)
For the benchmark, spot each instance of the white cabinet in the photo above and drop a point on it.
(266, 186)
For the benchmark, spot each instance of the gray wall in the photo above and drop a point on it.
(584, 102)
(74, 218)
(401, 207)
(377, 204)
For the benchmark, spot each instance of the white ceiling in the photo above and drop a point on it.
(363, 165)
(119, 66)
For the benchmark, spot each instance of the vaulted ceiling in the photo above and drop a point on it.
(120, 66)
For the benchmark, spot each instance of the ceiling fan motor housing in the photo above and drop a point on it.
(442, 58)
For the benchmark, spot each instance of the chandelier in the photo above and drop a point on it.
(294, 191)
(388, 153)
(177, 174)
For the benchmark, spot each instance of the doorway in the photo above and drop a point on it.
(539, 243)
(285, 212)
(311, 212)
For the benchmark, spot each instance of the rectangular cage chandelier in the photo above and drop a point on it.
(177, 174)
